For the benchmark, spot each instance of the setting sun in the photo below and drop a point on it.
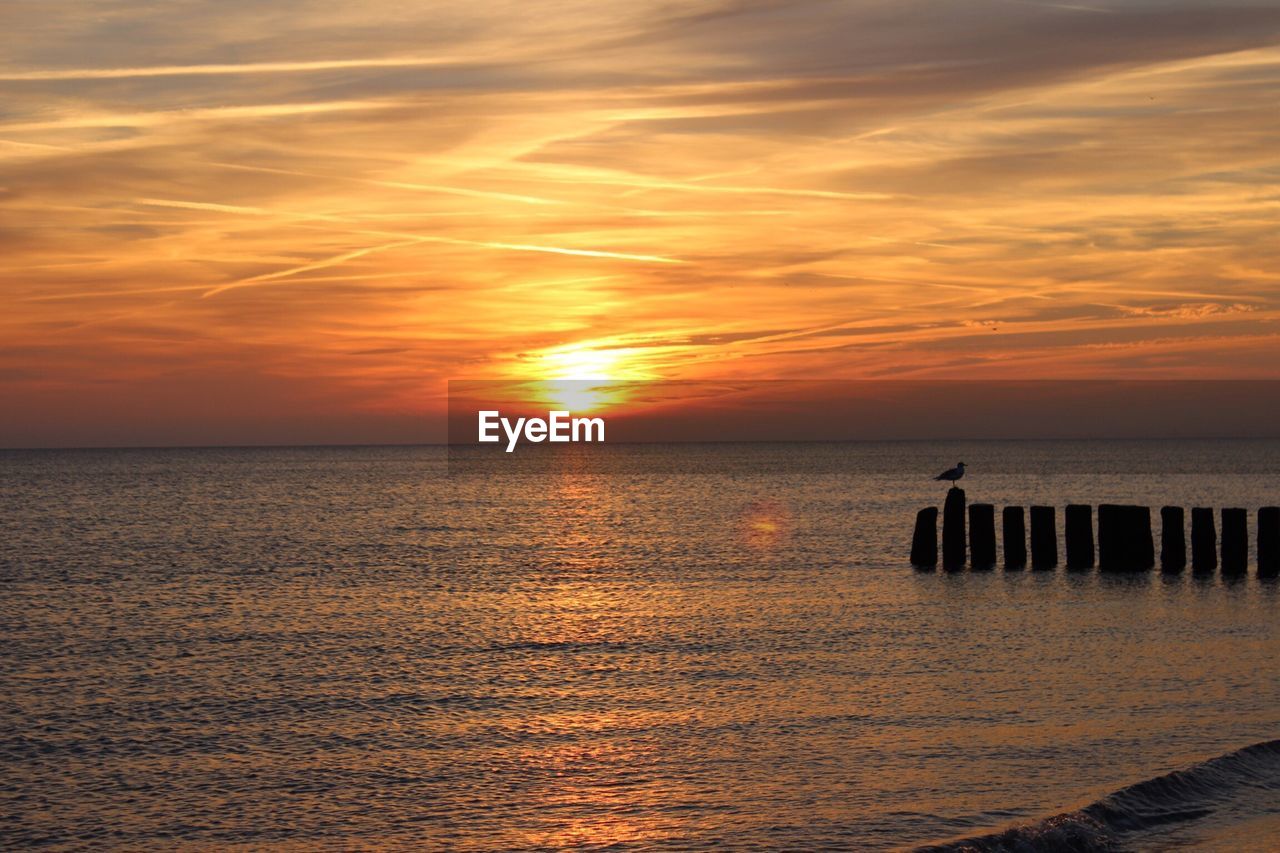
(578, 395)
(582, 377)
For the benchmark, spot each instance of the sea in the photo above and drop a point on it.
(631, 647)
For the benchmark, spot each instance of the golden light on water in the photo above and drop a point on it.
(766, 524)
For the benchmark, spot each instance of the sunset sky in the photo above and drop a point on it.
(241, 221)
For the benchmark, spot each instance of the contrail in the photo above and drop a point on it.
(244, 68)
(452, 241)
(400, 244)
(161, 117)
(398, 185)
(556, 250)
(317, 265)
(400, 240)
(714, 188)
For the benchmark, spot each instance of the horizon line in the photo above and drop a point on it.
(447, 445)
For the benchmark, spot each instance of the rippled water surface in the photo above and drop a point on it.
(723, 645)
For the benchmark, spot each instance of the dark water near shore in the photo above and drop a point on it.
(722, 646)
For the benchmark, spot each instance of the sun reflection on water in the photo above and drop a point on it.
(766, 524)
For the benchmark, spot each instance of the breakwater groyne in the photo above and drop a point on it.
(1125, 538)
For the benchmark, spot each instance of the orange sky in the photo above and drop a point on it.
(246, 221)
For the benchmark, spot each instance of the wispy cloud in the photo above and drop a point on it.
(399, 185)
(170, 117)
(402, 240)
(996, 187)
(54, 74)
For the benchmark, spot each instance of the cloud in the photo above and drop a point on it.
(248, 68)
(741, 188)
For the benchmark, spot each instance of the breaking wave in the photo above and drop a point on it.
(1121, 819)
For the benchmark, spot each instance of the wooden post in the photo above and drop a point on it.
(1235, 542)
(1204, 546)
(924, 542)
(1015, 538)
(953, 530)
(982, 536)
(1124, 538)
(1269, 542)
(1044, 538)
(1111, 539)
(1144, 543)
(1173, 540)
(1079, 524)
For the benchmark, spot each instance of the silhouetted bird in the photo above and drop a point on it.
(953, 474)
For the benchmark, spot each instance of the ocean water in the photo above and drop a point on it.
(690, 647)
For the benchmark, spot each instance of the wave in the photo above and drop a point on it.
(1123, 817)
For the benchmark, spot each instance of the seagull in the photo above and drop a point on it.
(953, 474)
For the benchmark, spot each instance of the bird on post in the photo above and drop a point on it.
(952, 474)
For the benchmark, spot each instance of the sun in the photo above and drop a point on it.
(578, 363)
(583, 377)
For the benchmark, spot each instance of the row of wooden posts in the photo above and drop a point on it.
(1124, 543)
